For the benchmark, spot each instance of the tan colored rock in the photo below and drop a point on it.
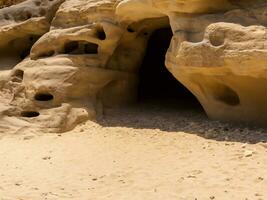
(5, 3)
(225, 71)
(20, 26)
(85, 56)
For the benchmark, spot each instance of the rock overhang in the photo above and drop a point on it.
(89, 54)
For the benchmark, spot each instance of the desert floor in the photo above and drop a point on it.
(138, 153)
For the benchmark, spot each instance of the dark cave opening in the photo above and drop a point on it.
(156, 83)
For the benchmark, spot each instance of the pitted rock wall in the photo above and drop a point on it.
(5, 3)
(63, 62)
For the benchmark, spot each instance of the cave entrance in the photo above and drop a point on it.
(157, 84)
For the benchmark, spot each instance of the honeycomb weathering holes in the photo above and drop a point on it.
(80, 47)
(217, 38)
(43, 97)
(30, 114)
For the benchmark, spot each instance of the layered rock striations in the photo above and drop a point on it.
(63, 62)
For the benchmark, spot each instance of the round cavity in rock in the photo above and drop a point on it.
(226, 95)
(18, 76)
(30, 114)
(217, 38)
(43, 97)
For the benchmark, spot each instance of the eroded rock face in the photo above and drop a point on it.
(63, 62)
(222, 61)
(226, 71)
(6, 3)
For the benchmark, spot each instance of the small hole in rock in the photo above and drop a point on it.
(18, 76)
(30, 114)
(43, 97)
(216, 39)
(226, 95)
(19, 73)
(130, 30)
(101, 34)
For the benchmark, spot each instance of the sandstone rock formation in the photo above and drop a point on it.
(5, 3)
(63, 62)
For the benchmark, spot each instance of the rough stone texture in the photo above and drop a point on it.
(5, 3)
(63, 62)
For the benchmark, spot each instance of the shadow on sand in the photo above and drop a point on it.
(182, 117)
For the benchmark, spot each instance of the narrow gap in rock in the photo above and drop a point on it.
(101, 33)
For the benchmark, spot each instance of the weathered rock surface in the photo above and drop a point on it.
(63, 62)
(6, 3)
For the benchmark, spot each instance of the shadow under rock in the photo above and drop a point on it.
(182, 117)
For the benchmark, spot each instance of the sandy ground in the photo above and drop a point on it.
(138, 153)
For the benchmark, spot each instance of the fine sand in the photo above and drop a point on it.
(139, 153)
